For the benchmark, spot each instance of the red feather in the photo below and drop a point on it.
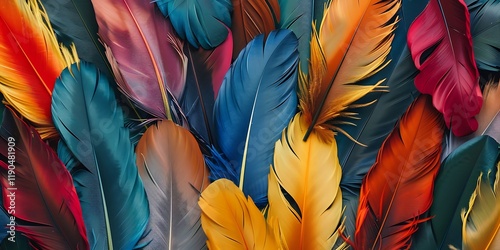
(45, 198)
(449, 73)
(398, 188)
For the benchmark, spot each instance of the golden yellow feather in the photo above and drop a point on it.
(30, 61)
(481, 221)
(304, 192)
(232, 221)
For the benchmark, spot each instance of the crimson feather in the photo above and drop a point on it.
(441, 46)
(46, 206)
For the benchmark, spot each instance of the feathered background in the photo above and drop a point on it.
(250, 124)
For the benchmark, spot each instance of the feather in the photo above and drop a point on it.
(172, 169)
(205, 74)
(353, 50)
(441, 46)
(296, 15)
(255, 103)
(485, 27)
(252, 18)
(30, 61)
(304, 192)
(202, 23)
(74, 22)
(100, 142)
(453, 188)
(149, 58)
(481, 221)
(406, 166)
(232, 221)
(46, 206)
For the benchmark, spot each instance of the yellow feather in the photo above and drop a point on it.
(309, 172)
(232, 221)
(353, 42)
(481, 222)
(30, 61)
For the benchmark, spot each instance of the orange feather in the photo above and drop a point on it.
(30, 61)
(350, 46)
(398, 188)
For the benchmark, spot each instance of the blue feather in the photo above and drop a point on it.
(202, 23)
(255, 103)
(86, 114)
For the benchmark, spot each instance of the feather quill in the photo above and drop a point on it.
(481, 221)
(255, 103)
(232, 221)
(202, 23)
(406, 166)
(149, 57)
(252, 18)
(46, 207)
(30, 61)
(441, 46)
(172, 169)
(99, 140)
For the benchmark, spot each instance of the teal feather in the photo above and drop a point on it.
(90, 122)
